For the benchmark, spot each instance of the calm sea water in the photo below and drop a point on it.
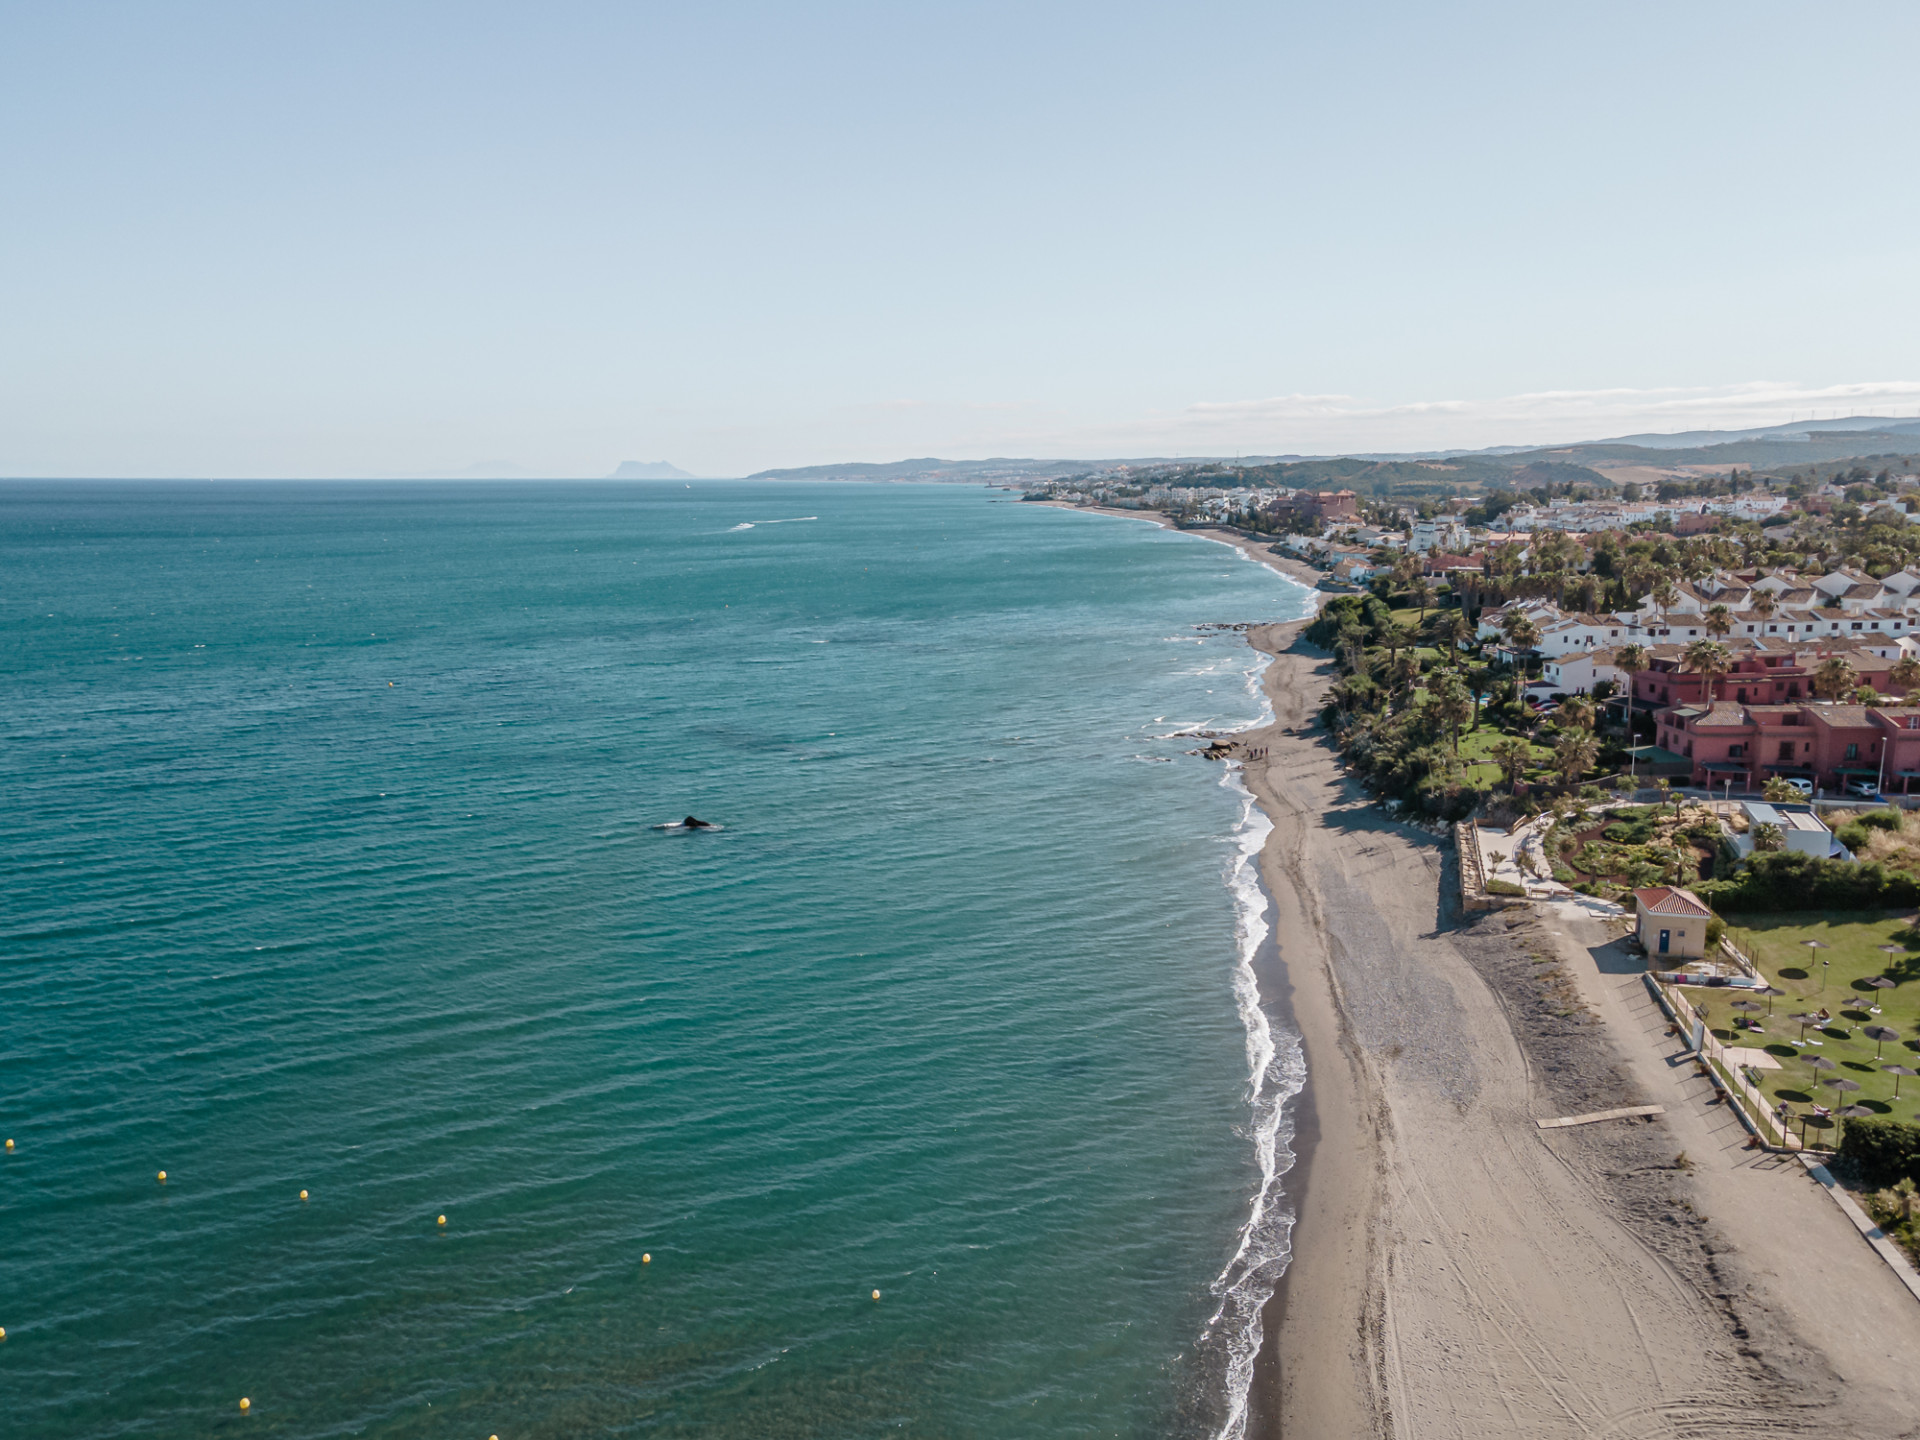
(329, 865)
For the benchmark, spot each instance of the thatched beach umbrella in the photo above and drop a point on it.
(1881, 982)
(1821, 1062)
(1803, 1021)
(1880, 1034)
(1769, 991)
(1746, 1007)
(1841, 1083)
(1897, 1071)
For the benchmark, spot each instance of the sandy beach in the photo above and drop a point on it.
(1457, 1271)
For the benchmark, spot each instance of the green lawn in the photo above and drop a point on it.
(1773, 942)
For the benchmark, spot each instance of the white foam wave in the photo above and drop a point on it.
(1277, 1071)
(743, 525)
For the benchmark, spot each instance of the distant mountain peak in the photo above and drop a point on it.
(649, 470)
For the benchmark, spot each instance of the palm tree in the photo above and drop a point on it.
(1451, 627)
(1905, 672)
(1764, 603)
(1573, 755)
(1708, 658)
(1718, 620)
(1665, 593)
(1512, 755)
(1767, 836)
(1777, 790)
(1577, 711)
(1452, 706)
(1422, 594)
(1520, 631)
(1835, 677)
(1630, 660)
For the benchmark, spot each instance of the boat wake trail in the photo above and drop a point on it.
(1277, 1072)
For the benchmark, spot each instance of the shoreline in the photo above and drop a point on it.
(1456, 1271)
(1453, 1270)
(1259, 551)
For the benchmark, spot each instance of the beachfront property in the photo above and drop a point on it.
(1826, 745)
(1673, 922)
(1765, 672)
(1801, 830)
(1579, 672)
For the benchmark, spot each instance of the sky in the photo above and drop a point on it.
(409, 238)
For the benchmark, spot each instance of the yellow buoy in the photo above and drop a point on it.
(245, 1403)
(443, 1219)
(3, 1332)
(303, 1194)
(646, 1259)
(161, 1177)
(876, 1294)
(9, 1144)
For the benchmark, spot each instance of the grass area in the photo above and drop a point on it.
(1774, 943)
(1478, 744)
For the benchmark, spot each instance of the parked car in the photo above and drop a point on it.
(1863, 790)
(1804, 786)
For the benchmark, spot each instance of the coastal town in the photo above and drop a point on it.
(1650, 756)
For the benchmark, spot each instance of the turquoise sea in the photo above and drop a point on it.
(329, 863)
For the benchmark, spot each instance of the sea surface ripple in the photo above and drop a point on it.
(329, 864)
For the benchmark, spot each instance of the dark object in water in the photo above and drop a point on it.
(693, 824)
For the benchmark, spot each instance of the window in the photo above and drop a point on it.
(1853, 752)
(1773, 629)
(1736, 752)
(1786, 752)
(1856, 624)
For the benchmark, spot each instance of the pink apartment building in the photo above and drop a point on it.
(1766, 673)
(1826, 744)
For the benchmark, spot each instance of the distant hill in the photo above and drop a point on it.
(1840, 431)
(972, 472)
(1426, 472)
(648, 470)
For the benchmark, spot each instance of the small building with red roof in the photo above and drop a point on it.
(1673, 922)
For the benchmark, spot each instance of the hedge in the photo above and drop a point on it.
(1887, 1151)
(1788, 880)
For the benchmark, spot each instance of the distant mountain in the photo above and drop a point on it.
(976, 472)
(649, 470)
(1827, 431)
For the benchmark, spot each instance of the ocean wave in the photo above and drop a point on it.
(1277, 1072)
(789, 520)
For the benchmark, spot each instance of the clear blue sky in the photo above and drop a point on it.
(354, 238)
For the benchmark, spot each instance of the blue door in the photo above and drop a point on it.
(1663, 940)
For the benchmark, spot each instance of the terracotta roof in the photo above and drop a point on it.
(1841, 716)
(1671, 900)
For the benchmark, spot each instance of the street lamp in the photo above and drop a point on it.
(1816, 947)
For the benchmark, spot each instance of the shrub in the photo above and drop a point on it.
(1504, 887)
(1788, 880)
(1886, 1151)
(1880, 820)
(1852, 835)
(1716, 931)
